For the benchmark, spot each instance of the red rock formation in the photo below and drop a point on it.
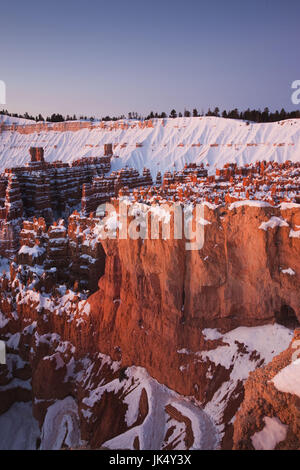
(154, 301)
(87, 257)
(55, 187)
(156, 297)
(263, 399)
(10, 217)
(102, 189)
(37, 154)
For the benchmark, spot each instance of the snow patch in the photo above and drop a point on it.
(272, 433)
(18, 428)
(273, 222)
(61, 425)
(248, 202)
(289, 271)
(288, 379)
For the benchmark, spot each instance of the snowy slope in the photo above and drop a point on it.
(11, 120)
(169, 144)
(18, 428)
(288, 379)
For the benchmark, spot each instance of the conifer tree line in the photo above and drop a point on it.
(250, 115)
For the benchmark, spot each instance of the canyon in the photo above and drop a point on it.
(160, 144)
(139, 343)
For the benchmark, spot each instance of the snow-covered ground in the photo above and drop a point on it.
(4, 266)
(168, 145)
(288, 379)
(18, 428)
(272, 433)
(157, 423)
(243, 350)
(259, 345)
(63, 417)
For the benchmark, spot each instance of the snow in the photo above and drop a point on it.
(13, 341)
(18, 428)
(183, 351)
(272, 433)
(161, 213)
(289, 205)
(289, 271)
(294, 233)
(211, 333)
(5, 266)
(112, 222)
(185, 411)
(3, 320)
(177, 435)
(17, 383)
(260, 345)
(248, 202)
(59, 362)
(210, 205)
(202, 221)
(35, 251)
(273, 222)
(61, 425)
(13, 120)
(288, 379)
(160, 149)
(153, 429)
(267, 340)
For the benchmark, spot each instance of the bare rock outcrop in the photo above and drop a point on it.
(155, 297)
(263, 401)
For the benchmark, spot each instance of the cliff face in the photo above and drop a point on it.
(156, 298)
(199, 322)
(265, 406)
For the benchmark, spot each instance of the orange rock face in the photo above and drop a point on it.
(155, 297)
(158, 306)
(263, 399)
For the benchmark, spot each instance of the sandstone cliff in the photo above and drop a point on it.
(199, 322)
(270, 418)
(155, 297)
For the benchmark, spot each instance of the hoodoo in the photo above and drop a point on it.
(130, 336)
(149, 261)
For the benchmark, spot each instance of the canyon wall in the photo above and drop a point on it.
(198, 321)
(72, 126)
(269, 418)
(155, 297)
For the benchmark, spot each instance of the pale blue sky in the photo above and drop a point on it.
(111, 57)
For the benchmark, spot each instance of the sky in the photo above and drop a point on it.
(99, 58)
